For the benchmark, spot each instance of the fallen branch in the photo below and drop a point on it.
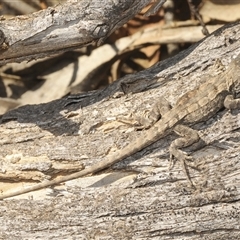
(65, 27)
(148, 201)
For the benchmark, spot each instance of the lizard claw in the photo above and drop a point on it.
(183, 158)
(178, 155)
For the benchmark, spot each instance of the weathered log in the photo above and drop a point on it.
(67, 26)
(140, 198)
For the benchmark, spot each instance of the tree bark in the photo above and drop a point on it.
(139, 198)
(67, 26)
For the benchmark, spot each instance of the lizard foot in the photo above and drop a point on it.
(188, 136)
(176, 154)
(183, 158)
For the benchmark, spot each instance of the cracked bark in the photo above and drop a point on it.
(67, 26)
(147, 201)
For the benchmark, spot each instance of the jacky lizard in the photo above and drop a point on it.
(197, 105)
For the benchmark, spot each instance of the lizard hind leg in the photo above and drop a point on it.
(188, 137)
(147, 120)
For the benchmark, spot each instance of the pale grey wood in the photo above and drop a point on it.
(153, 202)
(64, 27)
